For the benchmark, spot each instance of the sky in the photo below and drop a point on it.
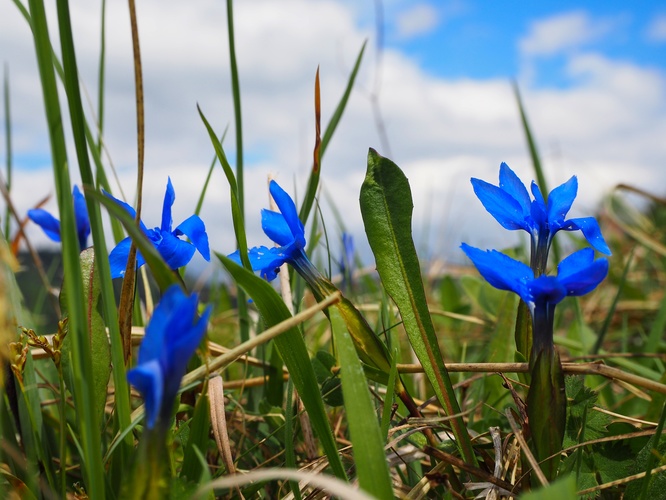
(434, 94)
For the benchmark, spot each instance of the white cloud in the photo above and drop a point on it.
(607, 127)
(563, 32)
(656, 30)
(418, 20)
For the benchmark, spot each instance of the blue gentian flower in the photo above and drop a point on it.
(51, 225)
(175, 252)
(285, 229)
(173, 334)
(577, 275)
(510, 204)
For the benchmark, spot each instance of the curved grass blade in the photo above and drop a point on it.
(163, 274)
(386, 207)
(294, 354)
(371, 467)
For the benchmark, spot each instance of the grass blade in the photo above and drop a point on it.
(371, 466)
(313, 181)
(294, 354)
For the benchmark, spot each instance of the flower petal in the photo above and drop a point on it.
(276, 228)
(169, 198)
(82, 219)
(288, 210)
(511, 183)
(591, 230)
(118, 258)
(538, 208)
(500, 270)
(194, 228)
(546, 290)
(580, 273)
(560, 200)
(501, 205)
(148, 378)
(175, 252)
(49, 224)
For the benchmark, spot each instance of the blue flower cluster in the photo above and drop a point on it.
(510, 204)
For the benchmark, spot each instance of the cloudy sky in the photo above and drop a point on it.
(593, 79)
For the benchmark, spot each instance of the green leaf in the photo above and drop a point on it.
(369, 459)
(198, 439)
(294, 354)
(99, 341)
(564, 488)
(386, 206)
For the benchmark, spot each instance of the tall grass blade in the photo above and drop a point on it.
(367, 444)
(386, 207)
(294, 354)
(536, 160)
(81, 356)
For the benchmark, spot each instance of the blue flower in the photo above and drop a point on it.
(512, 207)
(285, 229)
(578, 274)
(51, 225)
(175, 252)
(172, 335)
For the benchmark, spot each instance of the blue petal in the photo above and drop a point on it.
(276, 228)
(49, 224)
(267, 260)
(288, 210)
(547, 290)
(591, 230)
(169, 198)
(175, 252)
(509, 182)
(118, 258)
(155, 341)
(580, 273)
(560, 200)
(538, 208)
(194, 228)
(500, 270)
(501, 205)
(149, 380)
(82, 219)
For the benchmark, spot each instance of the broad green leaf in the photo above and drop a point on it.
(99, 341)
(294, 354)
(369, 459)
(546, 410)
(386, 206)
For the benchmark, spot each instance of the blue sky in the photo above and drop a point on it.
(481, 39)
